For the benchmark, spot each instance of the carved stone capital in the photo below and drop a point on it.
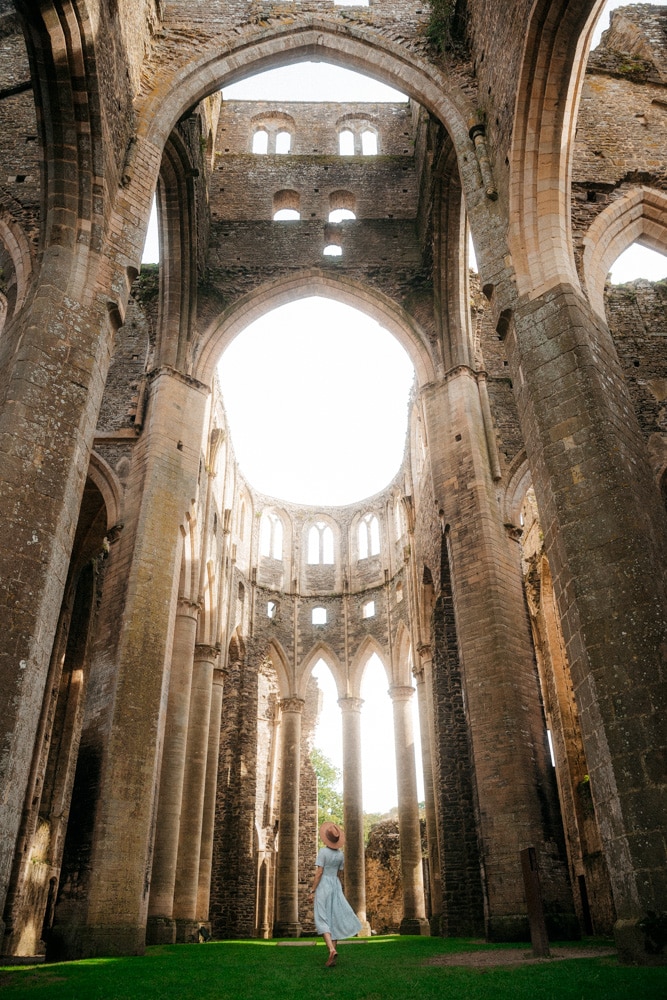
(203, 651)
(350, 704)
(401, 692)
(292, 705)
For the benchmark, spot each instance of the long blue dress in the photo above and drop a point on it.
(333, 913)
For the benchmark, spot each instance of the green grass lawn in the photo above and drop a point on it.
(381, 968)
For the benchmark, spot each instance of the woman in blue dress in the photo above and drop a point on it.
(334, 917)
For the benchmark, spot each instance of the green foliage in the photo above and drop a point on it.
(380, 968)
(439, 28)
(329, 799)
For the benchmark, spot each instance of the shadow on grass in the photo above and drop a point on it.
(380, 968)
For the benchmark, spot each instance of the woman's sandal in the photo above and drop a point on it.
(331, 961)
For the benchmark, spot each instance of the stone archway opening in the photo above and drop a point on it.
(303, 388)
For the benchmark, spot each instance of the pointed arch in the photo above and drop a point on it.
(367, 647)
(303, 36)
(519, 481)
(106, 480)
(314, 281)
(640, 216)
(402, 656)
(552, 73)
(18, 249)
(284, 673)
(320, 651)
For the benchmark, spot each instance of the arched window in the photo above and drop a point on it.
(283, 142)
(319, 616)
(346, 142)
(286, 205)
(320, 544)
(260, 141)
(341, 214)
(271, 536)
(333, 250)
(369, 536)
(283, 214)
(369, 142)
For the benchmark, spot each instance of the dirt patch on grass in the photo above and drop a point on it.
(484, 959)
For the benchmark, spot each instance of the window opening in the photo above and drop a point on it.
(320, 544)
(369, 536)
(399, 593)
(638, 261)
(332, 250)
(271, 536)
(151, 251)
(283, 214)
(369, 143)
(260, 141)
(283, 142)
(271, 609)
(341, 214)
(319, 616)
(368, 609)
(346, 142)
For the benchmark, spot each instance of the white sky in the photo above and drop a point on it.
(303, 387)
(377, 735)
(318, 374)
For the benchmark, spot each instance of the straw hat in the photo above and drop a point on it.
(332, 835)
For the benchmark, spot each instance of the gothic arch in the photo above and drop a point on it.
(60, 39)
(320, 651)
(106, 480)
(175, 200)
(639, 216)
(519, 480)
(18, 250)
(314, 281)
(305, 36)
(401, 657)
(284, 672)
(550, 82)
(367, 647)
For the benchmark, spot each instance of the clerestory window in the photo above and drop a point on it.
(369, 536)
(320, 544)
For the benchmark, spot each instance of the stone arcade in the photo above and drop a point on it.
(157, 631)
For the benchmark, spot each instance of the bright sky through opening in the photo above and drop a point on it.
(316, 394)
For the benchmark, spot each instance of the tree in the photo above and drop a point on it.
(329, 798)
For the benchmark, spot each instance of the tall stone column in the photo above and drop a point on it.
(194, 786)
(206, 856)
(414, 911)
(161, 928)
(287, 874)
(422, 675)
(605, 534)
(353, 810)
(42, 475)
(162, 482)
(500, 691)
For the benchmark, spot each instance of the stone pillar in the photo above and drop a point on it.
(49, 403)
(605, 535)
(161, 928)
(503, 709)
(287, 874)
(423, 680)
(194, 786)
(206, 856)
(414, 912)
(162, 481)
(353, 811)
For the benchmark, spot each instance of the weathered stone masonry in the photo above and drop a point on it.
(156, 664)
